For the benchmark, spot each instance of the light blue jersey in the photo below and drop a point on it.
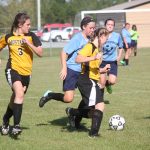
(76, 43)
(111, 46)
(126, 34)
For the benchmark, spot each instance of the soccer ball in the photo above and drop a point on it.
(116, 122)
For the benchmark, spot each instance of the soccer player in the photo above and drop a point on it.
(134, 39)
(92, 96)
(126, 44)
(112, 51)
(22, 44)
(70, 69)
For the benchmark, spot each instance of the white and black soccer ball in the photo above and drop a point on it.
(116, 122)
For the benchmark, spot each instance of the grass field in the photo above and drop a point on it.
(45, 128)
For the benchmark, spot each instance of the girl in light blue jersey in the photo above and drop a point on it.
(70, 69)
(126, 43)
(112, 51)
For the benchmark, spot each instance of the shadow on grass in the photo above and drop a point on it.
(106, 101)
(63, 122)
(148, 117)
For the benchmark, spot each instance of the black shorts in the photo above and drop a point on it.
(133, 43)
(70, 83)
(13, 75)
(124, 46)
(113, 67)
(90, 91)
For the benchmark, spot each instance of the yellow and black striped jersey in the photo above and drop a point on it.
(20, 54)
(90, 68)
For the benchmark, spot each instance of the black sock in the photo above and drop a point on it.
(96, 122)
(127, 61)
(56, 96)
(79, 117)
(7, 115)
(107, 83)
(17, 112)
(102, 91)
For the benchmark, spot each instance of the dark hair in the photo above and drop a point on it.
(85, 21)
(20, 19)
(109, 19)
(127, 23)
(134, 27)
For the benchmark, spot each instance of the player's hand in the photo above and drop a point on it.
(107, 67)
(25, 41)
(63, 74)
(98, 56)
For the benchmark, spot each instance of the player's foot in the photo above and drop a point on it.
(95, 135)
(109, 88)
(45, 98)
(5, 129)
(16, 131)
(71, 118)
(123, 62)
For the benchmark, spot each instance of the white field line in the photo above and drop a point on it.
(78, 95)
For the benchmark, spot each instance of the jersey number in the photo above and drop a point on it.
(20, 50)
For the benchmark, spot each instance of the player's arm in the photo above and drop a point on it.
(120, 45)
(84, 55)
(2, 42)
(63, 58)
(36, 49)
(80, 58)
(125, 42)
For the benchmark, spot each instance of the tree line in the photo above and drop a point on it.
(52, 11)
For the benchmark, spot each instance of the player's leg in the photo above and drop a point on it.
(112, 76)
(97, 114)
(75, 115)
(69, 86)
(8, 114)
(97, 119)
(17, 106)
(135, 48)
(19, 86)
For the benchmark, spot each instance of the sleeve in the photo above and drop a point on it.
(36, 40)
(86, 50)
(3, 42)
(72, 45)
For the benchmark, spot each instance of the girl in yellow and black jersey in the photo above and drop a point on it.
(21, 44)
(90, 58)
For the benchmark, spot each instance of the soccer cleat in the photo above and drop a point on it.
(71, 118)
(96, 135)
(16, 131)
(5, 129)
(45, 98)
(123, 62)
(109, 89)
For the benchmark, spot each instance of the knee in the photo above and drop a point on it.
(68, 99)
(19, 96)
(112, 82)
(100, 106)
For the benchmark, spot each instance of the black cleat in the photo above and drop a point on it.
(71, 118)
(91, 135)
(44, 99)
(16, 131)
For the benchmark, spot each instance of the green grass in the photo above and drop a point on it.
(45, 128)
